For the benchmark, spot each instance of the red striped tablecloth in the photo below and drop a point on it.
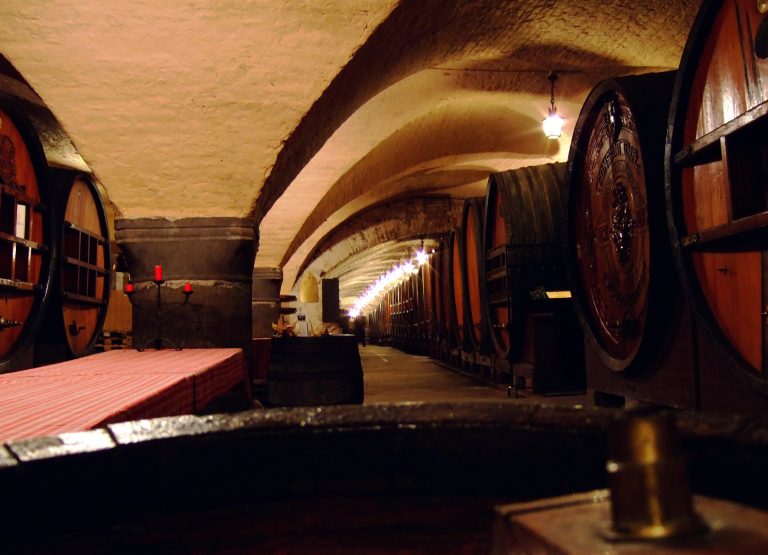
(115, 386)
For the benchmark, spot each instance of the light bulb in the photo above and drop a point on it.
(421, 257)
(553, 124)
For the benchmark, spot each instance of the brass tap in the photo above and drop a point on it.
(647, 477)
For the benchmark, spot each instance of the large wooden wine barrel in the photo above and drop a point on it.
(85, 265)
(717, 171)
(456, 289)
(475, 320)
(621, 267)
(523, 237)
(26, 258)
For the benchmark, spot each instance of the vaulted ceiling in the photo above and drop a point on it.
(327, 120)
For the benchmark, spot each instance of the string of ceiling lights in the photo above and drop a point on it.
(388, 281)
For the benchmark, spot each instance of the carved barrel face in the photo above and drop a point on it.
(611, 232)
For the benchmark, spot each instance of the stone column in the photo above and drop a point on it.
(215, 255)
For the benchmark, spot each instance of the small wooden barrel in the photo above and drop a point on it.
(716, 174)
(475, 320)
(310, 371)
(26, 258)
(523, 229)
(85, 270)
(621, 268)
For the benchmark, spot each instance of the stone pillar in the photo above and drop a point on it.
(265, 310)
(215, 255)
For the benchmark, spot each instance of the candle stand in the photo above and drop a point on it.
(160, 313)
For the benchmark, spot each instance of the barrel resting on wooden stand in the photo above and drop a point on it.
(639, 342)
(215, 255)
(25, 242)
(637, 326)
(530, 316)
(83, 275)
(716, 205)
(45, 311)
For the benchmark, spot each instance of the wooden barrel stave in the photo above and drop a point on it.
(715, 185)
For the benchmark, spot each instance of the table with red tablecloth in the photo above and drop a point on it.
(115, 386)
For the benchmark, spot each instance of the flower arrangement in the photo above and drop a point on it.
(283, 329)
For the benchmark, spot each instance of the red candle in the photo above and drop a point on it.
(158, 273)
(187, 287)
(128, 288)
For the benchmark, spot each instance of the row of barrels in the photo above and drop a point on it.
(667, 218)
(491, 295)
(54, 244)
(665, 205)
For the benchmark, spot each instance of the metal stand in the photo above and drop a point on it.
(160, 313)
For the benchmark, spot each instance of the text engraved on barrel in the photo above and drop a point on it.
(7, 160)
(614, 251)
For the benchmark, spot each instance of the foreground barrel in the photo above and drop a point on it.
(523, 231)
(716, 176)
(309, 371)
(25, 231)
(400, 478)
(622, 274)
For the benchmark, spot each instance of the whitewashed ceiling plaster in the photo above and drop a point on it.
(307, 112)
